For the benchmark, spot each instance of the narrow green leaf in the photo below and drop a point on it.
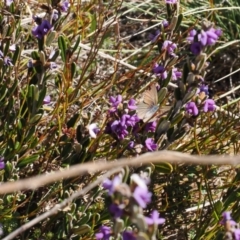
(63, 47)
(29, 159)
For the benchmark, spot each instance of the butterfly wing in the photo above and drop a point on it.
(149, 106)
(145, 112)
(150, 96)
(142, 109)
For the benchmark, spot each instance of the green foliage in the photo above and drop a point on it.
(88, 43)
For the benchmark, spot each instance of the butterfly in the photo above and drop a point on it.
(149, 106)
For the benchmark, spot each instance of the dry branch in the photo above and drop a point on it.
(81, 169)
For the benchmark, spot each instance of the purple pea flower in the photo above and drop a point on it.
(41, 30)
(226, 217)
(111, 185)
(160, 71)
(47, 100)
(2, 163)
(9, 2)
(151, 126)
(169, 46)
(116, 210)
(119, 129)
(203, 88)
(128, 235)
(142, 196)
(93, 130)
(150, 144)
(129, 121)
(8, 61)
(191, 108)
(153, 37)
(209, 37)
(209, 105)
(176, 74)
(64, 6)
(132, 104)
(236, 233)
(115, 101)
(131, 144)
(165, 23)
(196, 48)
(191, 35)
(104, 234)
(154, 219)
(170, 1)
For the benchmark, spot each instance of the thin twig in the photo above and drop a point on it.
(155, 157)
(60, 206)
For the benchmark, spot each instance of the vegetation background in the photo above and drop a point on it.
(102, 49)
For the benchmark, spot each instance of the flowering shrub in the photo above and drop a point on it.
(82, 82)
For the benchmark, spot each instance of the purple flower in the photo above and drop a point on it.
(191, 108)
(170, 1)
(154, 37)
(53, 65)
(142, 196)
(41, 30)
(236, 233)
(128, 235)
(150, 144)
(93, 130)
(191, 35)
(119, 128)
(151, 126)
(8, 61)
(165, 23)
(196, 48)
(47, 100)
(104, 234)
(209, 105)
(169, 46)
(2, 163)
(64, 5)
(203, 88)
(160, 71)
(129, 121)
(209, 36)
(116, 210)
(154, 219)
(132, 104)
(115, 101)
(9, 2)
(131, 144)
(111, 185)
(226, 217)
(176, 74)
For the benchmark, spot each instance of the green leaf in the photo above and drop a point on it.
(29, 159)
(167, 80)
(163, 167)
(162, 94)
(75, 47)
(50, 37)
(16, 55)
(82, 229)
(35, 119)
(73, 69)
(63, 47)
(179, 20)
